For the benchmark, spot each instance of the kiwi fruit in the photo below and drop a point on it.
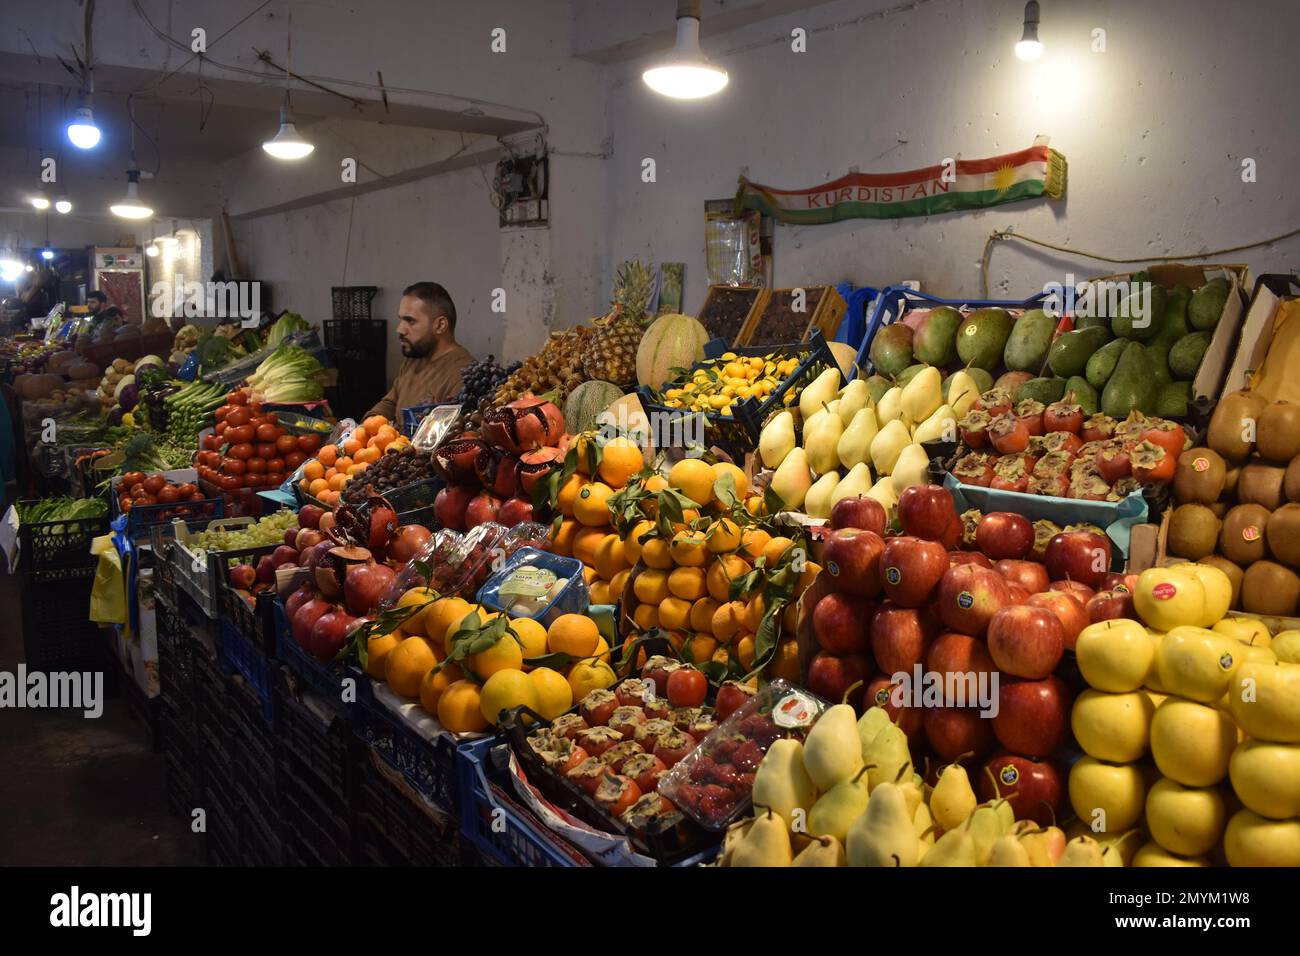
(1220, 508)
(1230, 478)
(1291, 483)
(1278, 437)
(1193, 531)
(1234, 422)
(1261, 484)
(1200, 476)
(1283, 534)
(1242, 538)
(1268, 588)
(1234, 573)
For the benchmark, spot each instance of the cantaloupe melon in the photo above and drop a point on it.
(672, 341)
(586, 402)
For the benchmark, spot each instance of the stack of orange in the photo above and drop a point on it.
(324, 476)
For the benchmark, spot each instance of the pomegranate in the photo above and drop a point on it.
(266, 569)
(310, 557)
(455, 459)
(515, 511)
(305, 538)
(285, 554)
(497, 471)
(450, 505)
(243, 576)
(524, 425)
(534, 466)
(365, 584)
(309, 516)
(329, 634)
(383, 523)
(408, 541)
(482, 509)
(297, 599)
(332, 568)
(308, 613)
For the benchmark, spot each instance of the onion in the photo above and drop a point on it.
(365, 584)
(408, 541)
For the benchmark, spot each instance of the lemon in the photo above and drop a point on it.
(554, 695)
(587, 676)
(505, 690)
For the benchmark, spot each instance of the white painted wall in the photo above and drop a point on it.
(1154, 131)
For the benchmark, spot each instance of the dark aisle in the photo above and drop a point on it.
(80, 792)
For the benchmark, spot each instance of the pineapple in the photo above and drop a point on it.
(610, 350)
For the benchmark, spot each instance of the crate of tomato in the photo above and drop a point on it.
(160, 497)
(250, 449)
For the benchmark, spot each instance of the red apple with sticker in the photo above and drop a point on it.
(969, 596)
(865, 514)
(1034, 788)
(1030, 575)
(912, 568)
(852, 560)
(882, 692)
(926, 511)
(840, 623)
(900, 637)
(1004, 535)
(1033, 716)
(1026, 641)
(1069, 610)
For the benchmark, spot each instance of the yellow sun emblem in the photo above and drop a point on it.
(1004, 178)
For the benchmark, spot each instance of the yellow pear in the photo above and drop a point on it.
(911, 468)
(822, 851)
(883, 835)
(884, 492)
(792, 479)
(820, 440)
(854, 445)
(1081, 851)
(887, 755)
(922, 395)
(954, 848)
(872, 722)
(1008, 851)
(818, 502)
(854, 397)
(941, 426)
(837, 809)
(831, 751)
(953, 800)
(986, 825)
(766, 844)
(888, 445)
(890, 406)
(963, 392)
(782, 783)
(819, 393)
(776, 440)
(855, 484)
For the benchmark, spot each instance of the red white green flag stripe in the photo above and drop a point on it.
(948, 187)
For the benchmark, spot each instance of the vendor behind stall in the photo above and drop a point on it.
(107, 318)
(426, 328)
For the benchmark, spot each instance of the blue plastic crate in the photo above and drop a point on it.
(239, 655)
(861, 304)
(896, 301)
(429, 766)
(499, 828)
(571, 599)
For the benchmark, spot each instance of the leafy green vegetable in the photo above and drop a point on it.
(61, 509)
(285, 326)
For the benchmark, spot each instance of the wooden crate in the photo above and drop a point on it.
(721, 296)
(776, 323)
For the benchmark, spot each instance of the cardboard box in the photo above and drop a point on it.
(1256, 337)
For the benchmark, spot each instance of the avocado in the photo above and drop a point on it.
(1081, 393)
(1070, 353)
(982, 337)
(1158, 356)
(1131, 386)
(1185, 355)
(877, 386)
(935, 341)
(1091, 322)
(1173, 323)
(1101, 364)
(891, 349)
(1173, 399)
(1137, 318)
(1029, 341)
(1045, 390)
(1206, 305)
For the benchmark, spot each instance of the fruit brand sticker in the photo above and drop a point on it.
(833, 569)
(1163, 591)
(965, 600)
(1200, 464)
(1225, 662)
(796, 709)
(1250, 532)
(882, 697)
(893, 575)
(1009, 775)
(971, 329)
(1121, 587)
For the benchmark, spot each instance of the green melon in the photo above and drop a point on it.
(672, 341)
(586, 402)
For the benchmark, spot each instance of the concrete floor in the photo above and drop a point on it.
(79, 792)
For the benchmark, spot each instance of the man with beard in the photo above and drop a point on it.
(426, 328)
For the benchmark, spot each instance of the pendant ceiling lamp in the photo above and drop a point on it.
(686, 73)
(288, 143)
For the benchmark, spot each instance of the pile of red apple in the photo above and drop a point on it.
(945, 611)
(491, 473)
(1055, 450)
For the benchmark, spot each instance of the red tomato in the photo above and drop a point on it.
(136, 489)
(293, 459)
(222, 412)
(240, 434)
(687, 687)
(211, 442)
(252, 480)
(266, 450)
(196, 495)
(275, 464)
(221, 429)
(168, 494)
(127, 506)
(274, 479)
(238, 417)
(233, 466)
(256, 466)
(238, 398)
(267, 433)
(229, 482)
(154, 484)
(271, 418)
(286, 443)
(308, 443)
(244, 451)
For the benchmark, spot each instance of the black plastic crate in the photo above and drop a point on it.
(221, 822)
(314, 731)
(316, 825)
(427, 765)
(56, 545)
(397, 824)
(240, 657)
(352, 301)
(57, 632)
(251, 620)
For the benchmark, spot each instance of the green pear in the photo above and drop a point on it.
(888, 445)
(886, 755)
(820, 439)
(837, 808)
(953, 800)
(922, 395)
(963, 392)
(854, 445)
(854, 397)
(872, 722)
(855, 484)
(781, 782)
(1082, 851)
(822, 851)
(912, 468)
(818, 502)
(766, 844)
(890, 406)
(986, 825)
(1008, 851)
(941, 426)
(792, 479)
(954, 848)
(883, 835)
(776, 440)
(832, 752)
(819, 393)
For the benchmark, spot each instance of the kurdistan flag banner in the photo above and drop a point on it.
(948, 187)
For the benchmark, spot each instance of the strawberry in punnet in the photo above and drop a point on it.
(1063, 417)
(1098, 427)
(1008, 435)
(1032, 414)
